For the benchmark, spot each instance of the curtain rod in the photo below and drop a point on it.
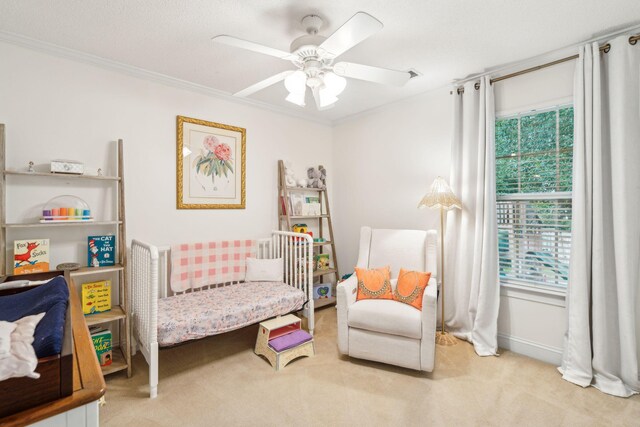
(605, 48)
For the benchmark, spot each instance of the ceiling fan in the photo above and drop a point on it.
(314, 55)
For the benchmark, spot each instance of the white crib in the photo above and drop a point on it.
(150, 281)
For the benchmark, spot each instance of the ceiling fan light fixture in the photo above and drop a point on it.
(334, 83)
(327, 97)
(296, 82)
(296, 98)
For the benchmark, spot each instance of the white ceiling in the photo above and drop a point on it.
(444, 40)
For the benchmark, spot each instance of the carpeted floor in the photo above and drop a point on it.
(219, 381)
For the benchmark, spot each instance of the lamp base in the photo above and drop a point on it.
(444, 338)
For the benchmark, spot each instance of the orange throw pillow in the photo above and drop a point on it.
(374, 284)
(410, 287)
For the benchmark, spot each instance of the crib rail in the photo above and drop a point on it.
(144, 292)
(296, 250)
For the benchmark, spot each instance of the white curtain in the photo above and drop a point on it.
(472, 287)
(602, 300)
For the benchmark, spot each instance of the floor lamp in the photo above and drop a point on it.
(441, 197)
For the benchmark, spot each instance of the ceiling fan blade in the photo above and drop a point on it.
(263, 84)
(360, 27)
(371, 74)
(255, 47)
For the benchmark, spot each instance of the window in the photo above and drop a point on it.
(534, 156)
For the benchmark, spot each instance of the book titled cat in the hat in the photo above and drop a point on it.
(102, 251)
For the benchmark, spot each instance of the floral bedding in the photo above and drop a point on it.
(215, 311)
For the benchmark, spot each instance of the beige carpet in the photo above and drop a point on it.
(218, 381)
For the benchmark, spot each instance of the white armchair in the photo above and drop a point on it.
(384, 330)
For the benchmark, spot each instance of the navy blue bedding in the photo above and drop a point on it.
(52, 298)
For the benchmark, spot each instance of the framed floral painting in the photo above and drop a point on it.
(210, 165)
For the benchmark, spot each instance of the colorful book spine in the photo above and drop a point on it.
(30, 256)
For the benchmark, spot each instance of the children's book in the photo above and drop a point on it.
(102, 251)
(297, 203)
(30, 256)
(96, 297)
(102, 342)
(322, 261)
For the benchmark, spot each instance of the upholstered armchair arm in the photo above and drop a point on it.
(429, 315)
(346, 295)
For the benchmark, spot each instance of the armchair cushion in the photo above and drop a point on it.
(410, 287)
(374, 283)
(387, 317)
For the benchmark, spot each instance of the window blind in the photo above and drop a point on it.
(533, 181)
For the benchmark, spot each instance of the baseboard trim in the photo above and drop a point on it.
(531, 349)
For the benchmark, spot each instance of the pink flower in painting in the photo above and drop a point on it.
(223, 152)
(210, 143)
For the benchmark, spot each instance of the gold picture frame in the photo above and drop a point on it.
(211, 165)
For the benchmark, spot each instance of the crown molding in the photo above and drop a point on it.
(141, 73)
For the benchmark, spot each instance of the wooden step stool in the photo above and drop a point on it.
(279, 327)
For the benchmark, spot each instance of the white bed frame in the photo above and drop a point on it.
(150, 273)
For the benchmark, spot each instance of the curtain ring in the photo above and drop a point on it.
(606, 48)
(633, 40)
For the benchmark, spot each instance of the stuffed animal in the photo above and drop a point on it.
(313, 176)
(289, 176)
(323, 177)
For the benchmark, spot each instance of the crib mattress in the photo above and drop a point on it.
(215, 311)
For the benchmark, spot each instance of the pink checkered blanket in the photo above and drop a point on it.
(194, 265)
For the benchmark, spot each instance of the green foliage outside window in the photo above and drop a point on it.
(534, 152)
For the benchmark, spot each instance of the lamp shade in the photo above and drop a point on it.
(334, 83)
(440, 195)
(296, 98)
(296, 82)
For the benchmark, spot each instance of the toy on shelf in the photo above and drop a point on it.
(301, 228)
(66, 208)
(322, 261)
(317, 177)
(289, 176)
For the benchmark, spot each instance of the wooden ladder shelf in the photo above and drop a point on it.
(287, 221)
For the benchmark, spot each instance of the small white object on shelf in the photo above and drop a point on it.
(73, 167)
(289, 176)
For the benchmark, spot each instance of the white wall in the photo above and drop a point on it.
(385, 163)
(59, 108)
